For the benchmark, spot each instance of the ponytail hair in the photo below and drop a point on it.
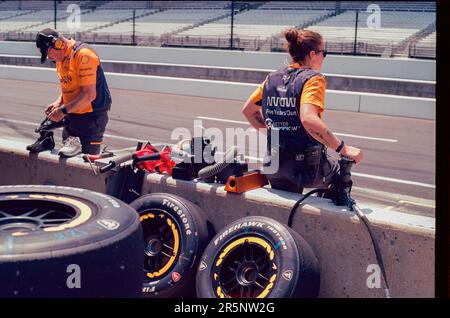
(301, 42)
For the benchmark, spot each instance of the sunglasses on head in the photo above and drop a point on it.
(324, 52)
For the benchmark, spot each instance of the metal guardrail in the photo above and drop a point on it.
(270, 44)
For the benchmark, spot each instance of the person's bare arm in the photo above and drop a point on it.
(319, 130)
(87, 94)
(254, 115)
(57, 103)
(316, 127)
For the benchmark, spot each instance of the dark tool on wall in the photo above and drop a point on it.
(339, 193)
(233, 173)
(45, 140)
(198, 153)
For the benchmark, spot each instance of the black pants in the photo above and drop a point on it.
(294, 175)
(89, 128)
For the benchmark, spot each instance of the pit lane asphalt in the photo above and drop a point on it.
(397, 173)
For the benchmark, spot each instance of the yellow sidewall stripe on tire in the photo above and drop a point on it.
(85, 212)
(146, 216)
(255, 240)
(251, 239)
(266, 291)
(176, 240)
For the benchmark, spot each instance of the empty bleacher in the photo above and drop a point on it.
(199, 5)
(419, 6)
(251, 24)
(298, 5)
(395, 28)
(163, 22)
(35, 18)
(36, 5)
(126, 5)
(93, 20)
(405, 25)
(6, 14)
(426, 47)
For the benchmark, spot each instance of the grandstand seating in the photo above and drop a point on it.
(93, 20)
(298, 5)
(21, 22)
(36, 5)
(425, 47)
(395, 27)
(208, 5)
(5, 14)
(391, 5)
(126, 5)
(405, 26)
(256, 23)
(164, 22)
(165, 5)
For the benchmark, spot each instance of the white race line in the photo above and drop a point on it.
(23, 122)
(361, 175)
(19, 122)
(369, 176)
(366, 137)
(224, 120)
(338, 134)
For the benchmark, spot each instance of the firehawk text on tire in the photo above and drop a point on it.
(258, 257)
(175, 234)
(67, 242)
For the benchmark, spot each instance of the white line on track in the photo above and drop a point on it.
(414, 183)
(368, 176)
(23, 122)
(338, 134)
(361, 175)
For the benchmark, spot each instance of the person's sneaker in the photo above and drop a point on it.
(45, 142)
(71, 147)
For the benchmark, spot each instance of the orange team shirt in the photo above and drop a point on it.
(313, 91)
(76, 72)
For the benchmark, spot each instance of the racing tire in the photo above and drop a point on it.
(67, 242)
(258, 257)
(176, 232)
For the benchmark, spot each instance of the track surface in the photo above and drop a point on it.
(398, 172)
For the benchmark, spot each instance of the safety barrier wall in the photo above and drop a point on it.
(338, 238)
(347, 65)
(416, 107)
(413, 88)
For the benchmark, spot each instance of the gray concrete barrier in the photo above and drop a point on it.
(415, 107)
(335, 82)
(340, 241)
(337, 237)
(401, 68)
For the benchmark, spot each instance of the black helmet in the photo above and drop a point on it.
(45, 39)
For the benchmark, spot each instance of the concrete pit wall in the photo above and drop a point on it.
(353, 83)
(338, 238)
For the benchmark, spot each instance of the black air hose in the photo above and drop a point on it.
(216, 168)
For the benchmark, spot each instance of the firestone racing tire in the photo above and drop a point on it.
(67, 242)
(176, 232)
(258, 257)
